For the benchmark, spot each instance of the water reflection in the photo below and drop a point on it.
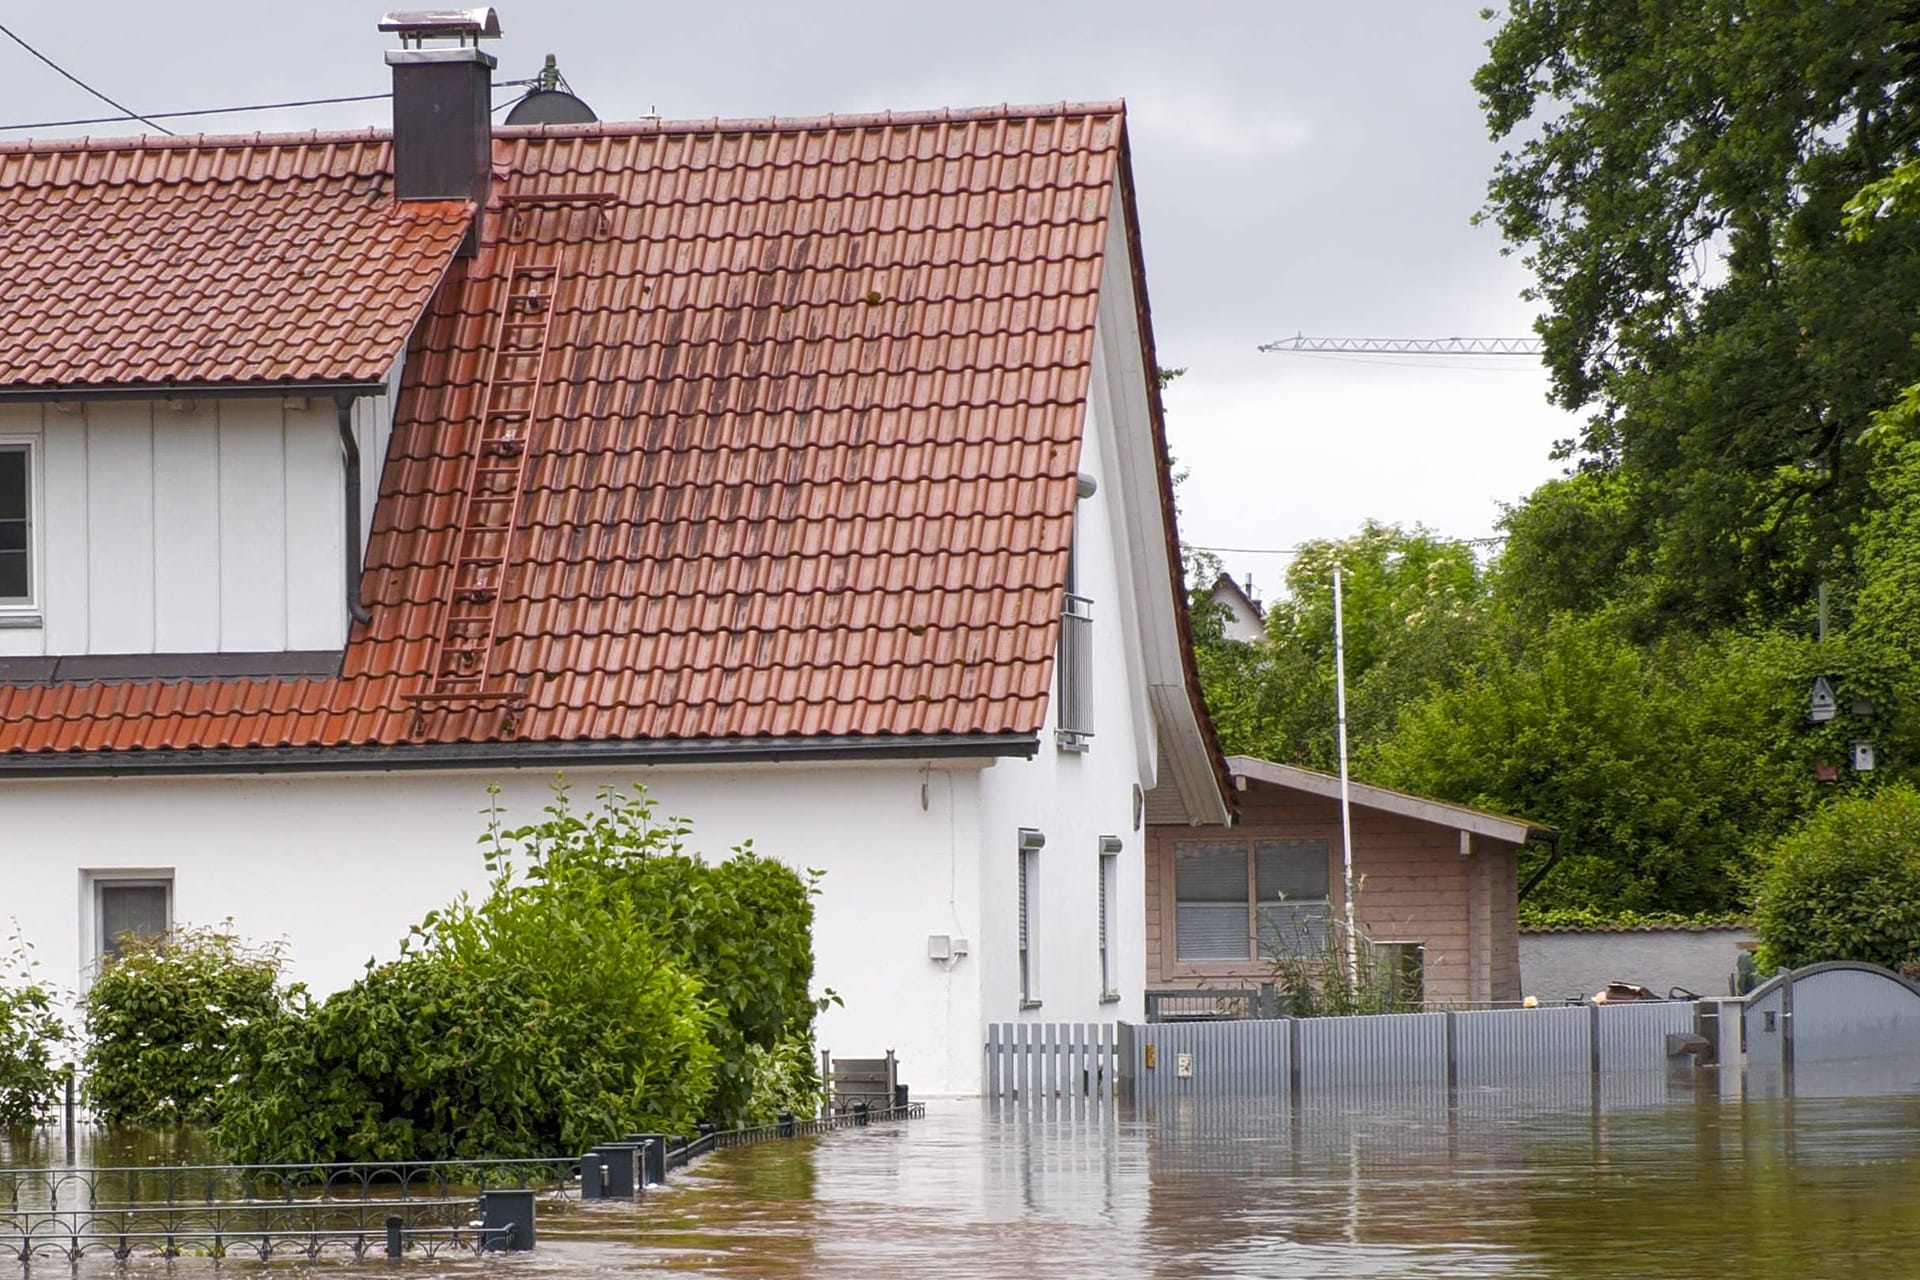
(1663, 1178)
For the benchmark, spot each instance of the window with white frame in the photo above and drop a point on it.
(1250, 899)
(16, 525)
(1109, 892)
(1073, 721)
(1031, 842)
(129, 906)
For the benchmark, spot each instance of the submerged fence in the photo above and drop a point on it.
(1401, 1053)
(353, 1211)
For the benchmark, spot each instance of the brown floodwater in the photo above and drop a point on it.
(1824, 1184)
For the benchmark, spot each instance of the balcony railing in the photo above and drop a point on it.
(1073, 726)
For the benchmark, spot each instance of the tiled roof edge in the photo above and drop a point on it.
(804, 124)
(604, 128)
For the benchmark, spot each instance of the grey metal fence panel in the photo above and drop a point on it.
(1500, 1046)
(1766, 1028)
(1633, 1037)
(1398, 1049)
(1841, 1013)
(1239, 1057)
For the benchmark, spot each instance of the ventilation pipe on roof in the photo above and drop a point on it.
(349, 446)
(443, 107)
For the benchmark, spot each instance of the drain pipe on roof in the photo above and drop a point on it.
(350, 447)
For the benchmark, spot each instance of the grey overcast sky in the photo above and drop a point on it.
(1302, 167)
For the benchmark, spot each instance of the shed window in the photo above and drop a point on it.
(16, 524)
(1247, 899)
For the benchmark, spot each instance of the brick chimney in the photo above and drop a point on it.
(443, 106)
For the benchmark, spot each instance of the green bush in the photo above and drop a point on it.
(784, 1078)
(546, 1017)
(31, 1037)
(1845, 885)
(162, 1018)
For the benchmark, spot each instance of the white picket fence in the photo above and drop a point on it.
(1029, 1061)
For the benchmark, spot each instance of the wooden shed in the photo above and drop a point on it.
(1437, 887)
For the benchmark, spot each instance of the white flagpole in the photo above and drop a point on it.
(1346, 809)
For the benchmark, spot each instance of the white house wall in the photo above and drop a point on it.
(339, 865)
(206, 526)
(1075, 798)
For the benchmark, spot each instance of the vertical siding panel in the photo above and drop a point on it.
(120, 526)
(186, 530)
(314, 531)
(253, 568)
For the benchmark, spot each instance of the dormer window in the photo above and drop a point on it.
(16, 525)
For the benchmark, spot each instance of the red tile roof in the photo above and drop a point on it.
(816, 392)
(167, 262)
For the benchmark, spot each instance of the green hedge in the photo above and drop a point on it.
(1845, 885)
(32, 1037)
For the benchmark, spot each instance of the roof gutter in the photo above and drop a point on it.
(350, 447)
(514, 755)
(193, 391)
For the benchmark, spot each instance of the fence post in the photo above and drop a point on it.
(786, 1124)
(653, 1156)
(396, 1238)
(1453, 1055)
(593, 1176)
(1295, 1082)
(1786, 1032)
(511, 1211)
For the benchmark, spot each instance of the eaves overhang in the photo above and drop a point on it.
(192, 390)
(513, 755)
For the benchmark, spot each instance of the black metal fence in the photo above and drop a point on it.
(420, 1207)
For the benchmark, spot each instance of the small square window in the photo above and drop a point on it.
(130, 908)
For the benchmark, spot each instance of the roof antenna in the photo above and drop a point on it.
(551, 100)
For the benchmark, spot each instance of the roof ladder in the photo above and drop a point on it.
(464, 671)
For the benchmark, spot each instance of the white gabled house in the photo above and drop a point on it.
(810, 472)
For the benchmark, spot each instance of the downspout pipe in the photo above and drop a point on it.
(350, 448)
(1545, 868)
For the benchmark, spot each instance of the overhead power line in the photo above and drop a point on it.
(152, 116)
(118, 106)
(1409, 346)
(1493, 540)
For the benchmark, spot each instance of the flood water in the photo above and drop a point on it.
(1765, 1186)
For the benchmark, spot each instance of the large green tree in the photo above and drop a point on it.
(1676, 176)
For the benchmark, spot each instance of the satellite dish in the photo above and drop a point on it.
(551, 106)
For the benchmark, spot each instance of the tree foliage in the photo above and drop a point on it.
(1677, 179)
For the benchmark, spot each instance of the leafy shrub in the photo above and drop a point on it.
(1845, 885)
(31, 1037)
(742, 926)
(1317, 984)
(162, 1018)
(540, 1020)
(784, 1078)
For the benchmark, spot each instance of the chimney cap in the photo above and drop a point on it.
(416, 25)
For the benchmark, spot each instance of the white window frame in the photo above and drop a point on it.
(93, 945)
(1108, 870)
(25, 612)
(1027, 951)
